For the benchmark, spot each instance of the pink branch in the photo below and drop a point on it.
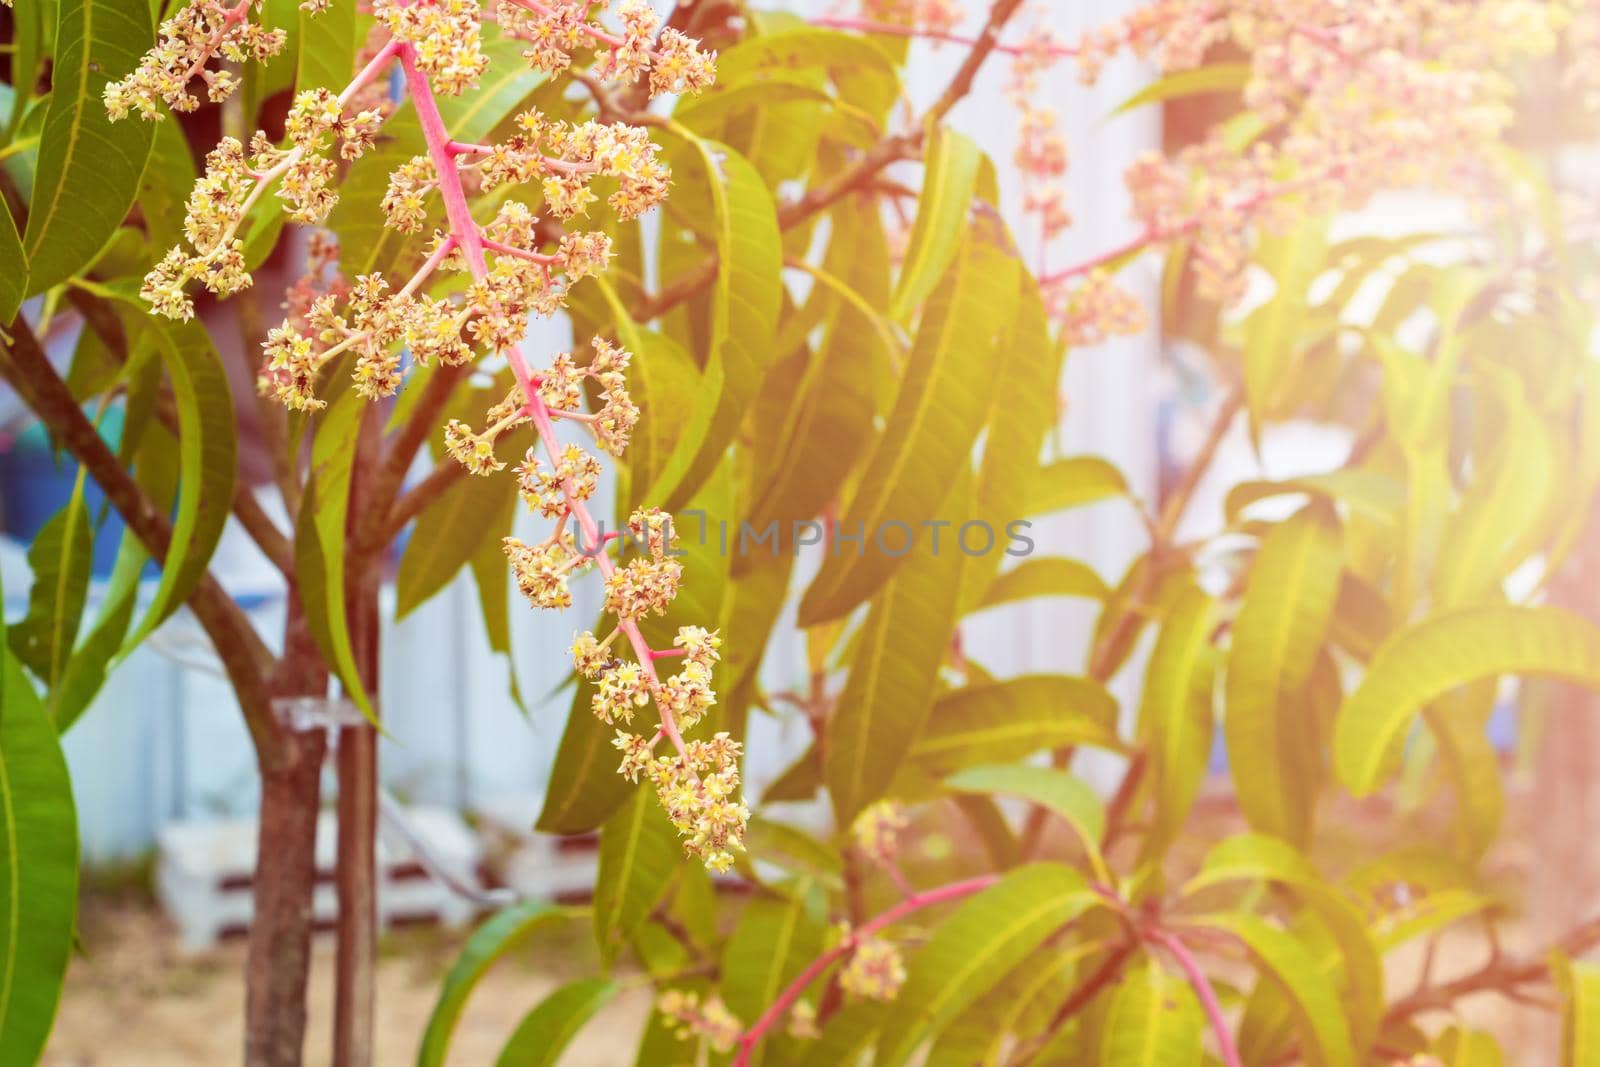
(954, 891)
(1203, 990)
(464, 229)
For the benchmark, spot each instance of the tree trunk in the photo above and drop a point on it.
(280, 932)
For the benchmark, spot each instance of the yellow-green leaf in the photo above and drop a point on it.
(1154, 1021)
(1580, 1018)
(1418, 664)
(1273, 331)
(1210, 78)
(1178, 714)
(1043, 578)
(1287, 603)
(1074, 483)
(1050, 788)
(950, 177)
(1004, 721)
(546, 1031)
(638, 851)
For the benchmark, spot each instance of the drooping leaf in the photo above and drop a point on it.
(89, 167)
(1273, 331)
(888, 694)
(320, 541)
(546, 1031)
(949, 179)
(13, 267)
(1073, 483)
(1178, 712)
(1580, 1018)
(470, 514)
(38, 868)
(60, 558)
(971, 950)
(1195, 81)
(773, 943)
(1045, 577)
(928, 441)
(1004, 721)
(1420, 663)
(1319, 1017)
(207, 454)
(1288, 601)
(1048, 787)
(1154, 1020)
(501, 934)
(744, 311)
(90, 663)
(638, 852)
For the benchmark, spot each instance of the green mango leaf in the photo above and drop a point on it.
(1196, 81)
(1287, 604)
(775, 940)
(1178, 713)
(1370, 494)
(828, 413)
(14, 275)
(60, 558)
(744, 315)
(1274, 331)
(1045, 577)
(89, 167)
(1154, 1020)
(927, 444)
(848, 1035)
(889, 692)
(1579, 983)
(1054, 790)
(863, 72)
(207, 456)
(1318, 1014)
(1075, 483)
(1420, 663)
(1459, 1047)
(329, 42)
(1004, 721)
(33, 28)
(1022, 1003)
(546, 1031)
(503, 933)
(974, 948)
(319, 541)
(638, 853)
(472, 514)
(38, 868)
(164, 187)
(950, 174)
(91, 661)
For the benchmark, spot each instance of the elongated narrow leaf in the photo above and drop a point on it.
(773, 943)
(744, 311)
(1419, 664)
(60, 558)
(927, 444)
(472, 513)
(1046, 577)
(91, 661)
(1457, 1047)
(89, 167)
(1319, 1016)
(1005, 721)
(1274, 330)
(320, 541)
(1580, 1019)
(1074, 483)
(889, 692)
(950, 178)
(328, 44)
(501, 934)
(1290, 597)
(1196, 81)
(1052, 789)
(1026, 999)
(638, 851)
(970, 951)
(38, 868)
(546, 1031)
(1154, 1021)
(207, 453)
(1178, 713)
(828, 418)
(1370, 494)
(13, 267)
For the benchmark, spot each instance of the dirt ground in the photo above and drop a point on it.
(133, 1000)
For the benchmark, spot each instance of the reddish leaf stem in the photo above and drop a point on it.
(1202, 988)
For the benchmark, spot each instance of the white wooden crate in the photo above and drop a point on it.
(204, 871)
